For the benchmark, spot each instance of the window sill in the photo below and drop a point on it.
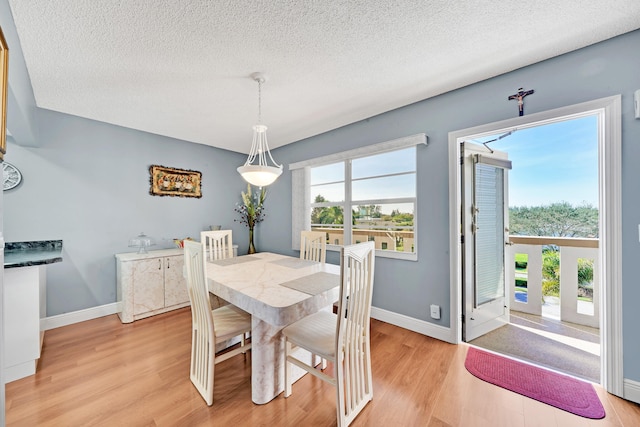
(405, 256)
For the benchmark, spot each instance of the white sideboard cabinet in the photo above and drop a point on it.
(149, 284)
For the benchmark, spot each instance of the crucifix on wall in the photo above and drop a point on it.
(520, 97)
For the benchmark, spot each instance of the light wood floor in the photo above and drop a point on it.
(104, 373)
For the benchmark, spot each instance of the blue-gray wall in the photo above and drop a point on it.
(605, 69)
(87, 183)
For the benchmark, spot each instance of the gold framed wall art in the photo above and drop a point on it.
(4, 72)
(175, 182)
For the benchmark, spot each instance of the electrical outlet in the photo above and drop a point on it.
(435, 311)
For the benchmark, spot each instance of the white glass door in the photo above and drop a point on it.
(485, 226)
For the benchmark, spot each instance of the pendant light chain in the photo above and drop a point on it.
(260, 100)
(260, 174)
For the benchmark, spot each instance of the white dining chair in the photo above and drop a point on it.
(313, 246)
(209, 326)
(342, 338)
(217, 244)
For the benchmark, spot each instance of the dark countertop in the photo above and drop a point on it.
(25, 254)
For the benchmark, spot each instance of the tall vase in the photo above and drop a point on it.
(252, 248)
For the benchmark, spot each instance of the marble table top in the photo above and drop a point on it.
(26, 254)
(259, 285)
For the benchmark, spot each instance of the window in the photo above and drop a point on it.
(367, 194)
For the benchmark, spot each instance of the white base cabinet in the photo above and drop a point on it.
(24, 300)
(149, 284)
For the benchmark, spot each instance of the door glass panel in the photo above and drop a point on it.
(489, 238)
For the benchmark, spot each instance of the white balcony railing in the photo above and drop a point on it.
(577, 302)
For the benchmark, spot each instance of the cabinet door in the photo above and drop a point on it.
(175, 285)
(21, 319)
(148, 289)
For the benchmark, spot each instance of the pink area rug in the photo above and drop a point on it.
(561, 391)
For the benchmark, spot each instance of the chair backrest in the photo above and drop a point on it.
(217, 244)
(353, 328)
(203, 331)
(197, 285)
(313, 246)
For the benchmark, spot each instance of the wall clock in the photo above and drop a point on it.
(11, 176)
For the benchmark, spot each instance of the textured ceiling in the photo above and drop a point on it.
(181, 68)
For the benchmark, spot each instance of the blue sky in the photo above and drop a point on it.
(552, 163)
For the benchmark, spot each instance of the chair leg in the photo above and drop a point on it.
(322, 362)
(287, 369)
(245, 338)
(342, 421)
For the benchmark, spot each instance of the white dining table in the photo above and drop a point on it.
(276, 290)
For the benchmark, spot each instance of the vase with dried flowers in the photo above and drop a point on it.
(251, 211)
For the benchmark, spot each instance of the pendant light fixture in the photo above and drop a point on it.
(260, 174)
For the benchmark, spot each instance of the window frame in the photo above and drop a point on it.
(301, 190)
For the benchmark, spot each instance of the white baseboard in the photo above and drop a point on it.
(400, 320)
(420, 326)
(631, 390)
(65, 319)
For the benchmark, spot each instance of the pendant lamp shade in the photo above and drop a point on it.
(261, 173)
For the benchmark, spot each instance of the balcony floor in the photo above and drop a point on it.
(562, 346)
